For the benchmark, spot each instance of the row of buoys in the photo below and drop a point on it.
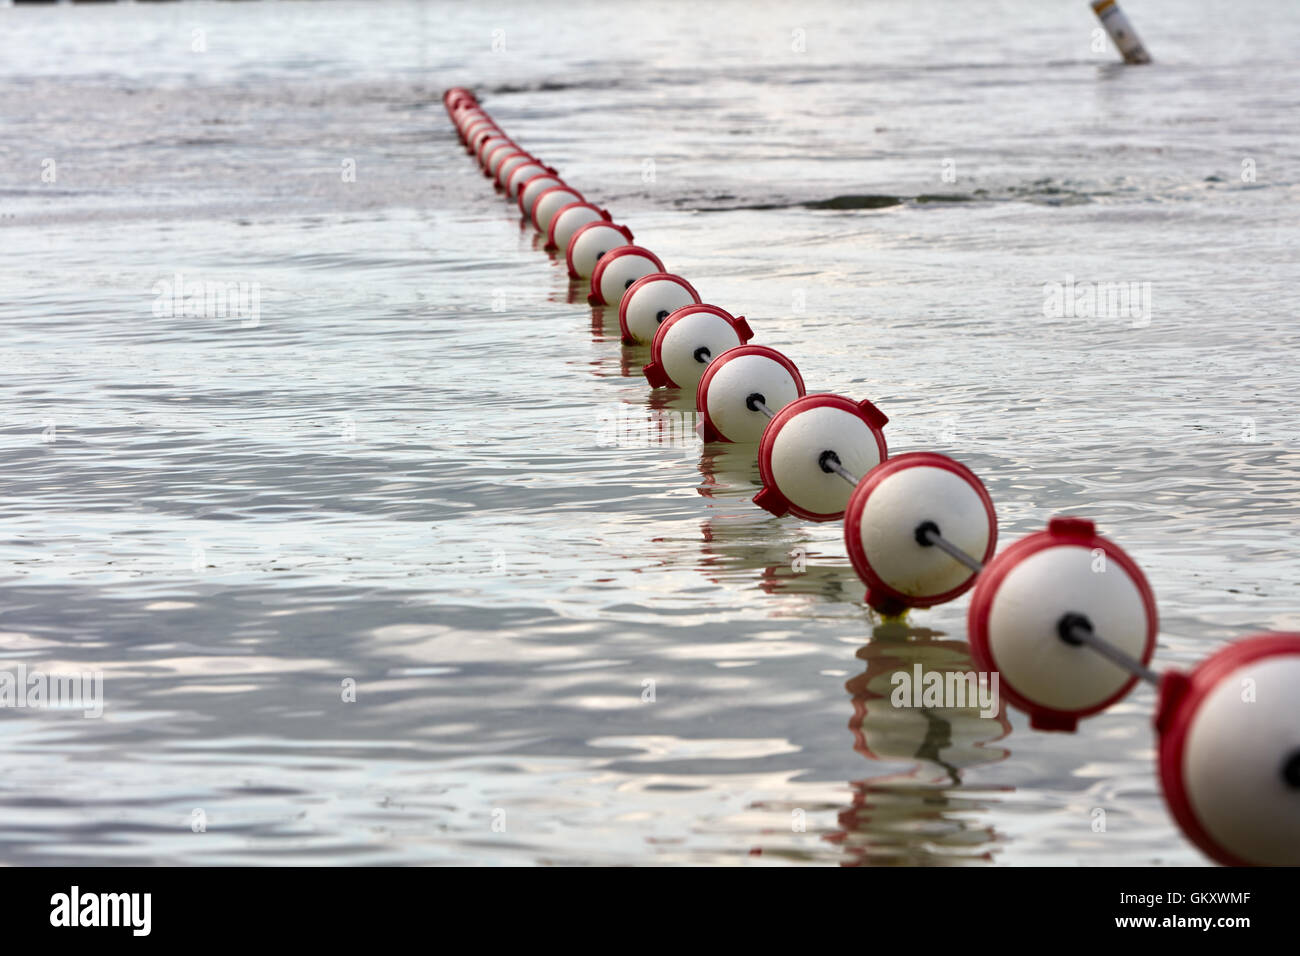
(1064, 616)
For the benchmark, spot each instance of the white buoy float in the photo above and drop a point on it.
(649, 301)
(742, 389)
(1230, 751)
(688, 340)
(591, 241)
(569, 219)
(472, 127)
(893, 519)
(548, 203)
(510, 164)
(1032, 606)
(516, 178)
(499, 154)
(617, 270)
(531, 188)
(478, 135)
(813, 453)
(469, 118)
(488, 145)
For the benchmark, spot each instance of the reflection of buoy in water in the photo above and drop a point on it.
(569, 219)
(617, 270)
(813, 450)
(1028, 603)
(919, 815)
(688, 340)
(883, 731)
(741, 389)
(1230, 751)
(589, 242)
(534, 187)
(648, 301)
(550, 201)
(885, 522)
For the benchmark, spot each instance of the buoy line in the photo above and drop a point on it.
(1066, 640)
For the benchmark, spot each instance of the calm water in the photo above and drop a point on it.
(398, 476)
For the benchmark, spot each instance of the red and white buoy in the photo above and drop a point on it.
(813, 453)
(688, 340)
(493, 158)
(591, 241)
(617, 270)
(533, 187)
(1230, 751)
(479, 135)
(489, 145)
(515, 179)
(511, 163)
(548, 203)
(569, 219)
(649, 301)
(742, 389)
(1037, 605)
(898, 513)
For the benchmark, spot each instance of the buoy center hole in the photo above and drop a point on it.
(702, 354)
(1071, 623)
(827, 460)
(926, 531)
(1291, 770)
(663, 314)
(754, 400)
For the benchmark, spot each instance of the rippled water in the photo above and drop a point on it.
(397, 475)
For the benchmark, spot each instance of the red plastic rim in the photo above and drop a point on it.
(1061, 532)
(880, 595)
(771, 497)
(568, 253)
(646, 280)
(1181, 696)
(595, 297)
(702, 394)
